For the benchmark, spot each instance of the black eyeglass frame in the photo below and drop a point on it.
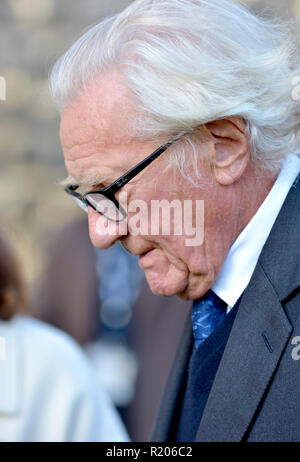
(110, 191)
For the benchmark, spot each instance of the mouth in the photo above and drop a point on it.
(141, 255)
(138, 253)
(144, 258)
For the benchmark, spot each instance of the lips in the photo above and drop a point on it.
(146, 260)
(139, 251)
(141, 255)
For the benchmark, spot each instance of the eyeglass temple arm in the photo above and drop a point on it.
(141, 165)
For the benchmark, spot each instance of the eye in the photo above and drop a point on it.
(97, 186)
(94, 188)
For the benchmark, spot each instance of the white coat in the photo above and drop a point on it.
(48, 390)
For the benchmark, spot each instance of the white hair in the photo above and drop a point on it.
(190, 62)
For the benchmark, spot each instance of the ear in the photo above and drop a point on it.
(231, 152)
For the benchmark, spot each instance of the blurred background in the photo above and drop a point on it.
(40, 219)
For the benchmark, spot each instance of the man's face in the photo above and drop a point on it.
(99, 146)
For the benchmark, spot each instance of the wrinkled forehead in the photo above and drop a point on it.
(104, 111)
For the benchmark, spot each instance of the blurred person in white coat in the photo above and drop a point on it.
(48, 390)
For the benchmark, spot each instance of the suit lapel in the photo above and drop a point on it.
(174, 387)
(280, 257)
(257, 340)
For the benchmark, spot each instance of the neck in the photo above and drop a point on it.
(253, 190)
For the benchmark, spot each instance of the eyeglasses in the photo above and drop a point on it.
(103, 200)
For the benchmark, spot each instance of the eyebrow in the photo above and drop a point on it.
(92, 180)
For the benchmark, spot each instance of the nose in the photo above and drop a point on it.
(103, 232)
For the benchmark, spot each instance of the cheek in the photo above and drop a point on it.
(176, 250)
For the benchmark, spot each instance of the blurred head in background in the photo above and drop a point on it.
(13, 297)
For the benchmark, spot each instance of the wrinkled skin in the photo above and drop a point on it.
(98, 139)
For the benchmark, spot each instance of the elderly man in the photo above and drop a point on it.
(190, 101)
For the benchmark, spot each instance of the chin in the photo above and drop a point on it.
(164, 287)
(194, 292)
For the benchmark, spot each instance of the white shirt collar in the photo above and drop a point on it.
(243, 255)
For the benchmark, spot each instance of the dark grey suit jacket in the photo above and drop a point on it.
(256, 392)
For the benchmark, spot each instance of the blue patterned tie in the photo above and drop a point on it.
(208, 312)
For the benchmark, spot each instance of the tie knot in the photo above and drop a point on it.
(211, 298)
(208, 312)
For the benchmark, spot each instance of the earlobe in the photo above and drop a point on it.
(230, 174)
(231, 149)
